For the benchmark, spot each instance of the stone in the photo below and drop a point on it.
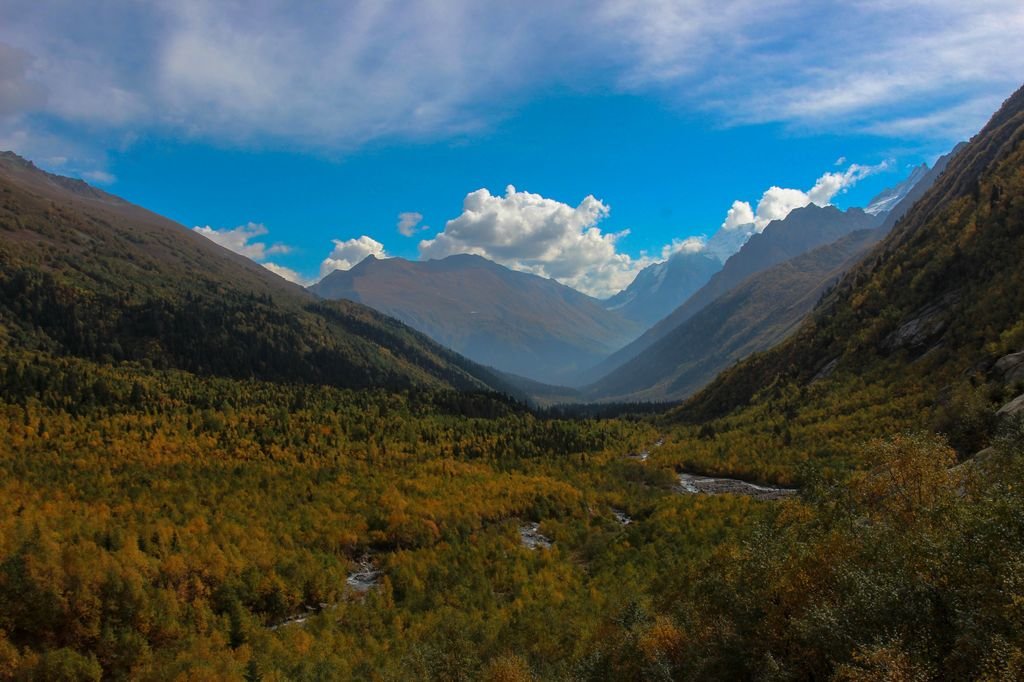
(1015, 406)
(1010, 367)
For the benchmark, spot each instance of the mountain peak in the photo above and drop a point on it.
(14, 165)
(889, 197)
(515, 321)
(10, 158)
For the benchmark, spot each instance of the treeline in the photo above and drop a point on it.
(224, 333)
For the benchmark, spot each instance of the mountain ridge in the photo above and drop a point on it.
(802, 230)
(88, 274)
(660, 288)
(514, 321)
(940, 294)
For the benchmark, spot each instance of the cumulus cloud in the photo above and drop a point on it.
(777, 202)
(287, 273)
(740, 213)
(532, 233)
(240, 240)
(349, 253)
(409, 223)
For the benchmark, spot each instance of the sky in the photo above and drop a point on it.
(575, 140)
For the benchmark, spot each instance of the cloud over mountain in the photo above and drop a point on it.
(532, 233)
(742, 220)
(287, 273)
(349, 253)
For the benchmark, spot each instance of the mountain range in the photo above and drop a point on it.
(659, 289)
(513, 321)
(931, 307)
(87, 274)
(756, 314)
(802, 230)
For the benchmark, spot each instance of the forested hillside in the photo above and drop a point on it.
(84, 273)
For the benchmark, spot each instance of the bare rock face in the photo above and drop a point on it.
(1010, 367)
(1015, 406)
(918, 331)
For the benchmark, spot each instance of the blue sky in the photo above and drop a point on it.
(299, 135)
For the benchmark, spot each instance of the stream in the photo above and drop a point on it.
(366, 578)
(530, 536)
(691, 484)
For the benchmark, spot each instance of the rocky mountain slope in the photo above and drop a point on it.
(659, 289)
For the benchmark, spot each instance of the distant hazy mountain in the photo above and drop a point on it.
(752, 317)
(658, 289)
(725, 242)
(887, 199)
(802, 230)
(513, 321)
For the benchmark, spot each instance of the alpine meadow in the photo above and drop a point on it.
(593, 341)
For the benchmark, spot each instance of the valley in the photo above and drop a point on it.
(788, 449)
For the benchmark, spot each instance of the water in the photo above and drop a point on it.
(692, 484)
(530, 536)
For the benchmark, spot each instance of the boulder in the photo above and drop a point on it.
(1010, 367)
(919, 331)
(1015, 406)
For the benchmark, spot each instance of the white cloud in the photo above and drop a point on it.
(531, 233)
(542, 236)
(287, 273)
(742, 221)
(347, 254)
(688, 245)
(240, 240)
(100, 177)
(740, 213)
(274, 74)
(830, 184)
(871, 65)
(409, 223)
(777, 202)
